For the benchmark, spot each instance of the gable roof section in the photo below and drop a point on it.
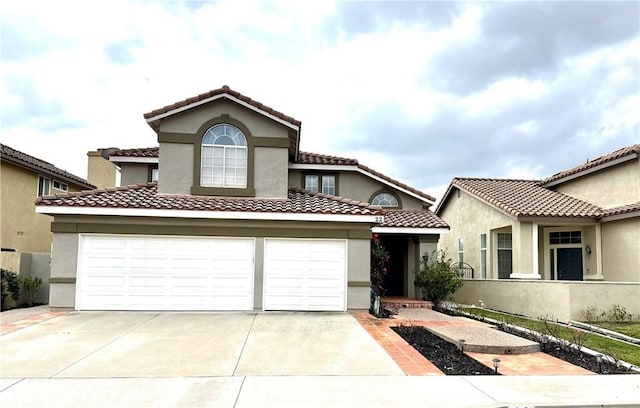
(306, 158)
(40, 166)
(411, 222)
(223, 92)
(611, 159)
(523, 199)
(144, 200)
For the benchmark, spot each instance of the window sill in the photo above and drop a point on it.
(221, 191)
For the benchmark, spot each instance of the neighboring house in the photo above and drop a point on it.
(23, 179)
(238, 219)
(579, 224)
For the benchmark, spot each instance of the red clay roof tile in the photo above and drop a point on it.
(526, 198)
(145, 196)
(220, 91)
(412, 219)
(22, 159)
(137, 152)
(607, 158)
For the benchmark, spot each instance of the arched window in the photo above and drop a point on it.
(385, 200)
(224, 157)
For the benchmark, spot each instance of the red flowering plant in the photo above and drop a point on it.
(379, 260)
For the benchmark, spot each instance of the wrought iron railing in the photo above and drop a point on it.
(463, 269)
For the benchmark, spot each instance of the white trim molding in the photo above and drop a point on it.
(228, 215)
(401, 230)
(129, 159)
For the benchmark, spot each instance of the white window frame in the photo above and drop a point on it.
(483, 255)
(379, 200)
(460, 250)
(44, 186)
(154, 174)
(59, 185)
(324, 183)
(208, 151)
(500, 248)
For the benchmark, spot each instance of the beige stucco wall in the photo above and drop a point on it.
(133, 173)
(21, 228)
(270, 172)
(100, 172)
(64, 264)
(175, 170)
(563, 300)
(469, 218)
(612, 187)
(357, 186)
(190, 121)
(358, 296)
(620, 253)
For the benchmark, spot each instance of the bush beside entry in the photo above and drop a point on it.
(436, 277)
(30, 286)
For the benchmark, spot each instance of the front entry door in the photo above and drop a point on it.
(569, 263)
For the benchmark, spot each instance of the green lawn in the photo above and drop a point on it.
(617, 349)
(629, 329)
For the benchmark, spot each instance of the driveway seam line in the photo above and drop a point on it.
(244, 344)
(106, 344)
(235, 403)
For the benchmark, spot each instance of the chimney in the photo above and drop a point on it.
(100, 171)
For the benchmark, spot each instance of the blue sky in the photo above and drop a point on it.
(422, 91)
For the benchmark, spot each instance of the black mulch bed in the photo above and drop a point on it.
(444, 355)
(567, 354)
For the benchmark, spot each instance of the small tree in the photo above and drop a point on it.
(379, 260)
(436, 277)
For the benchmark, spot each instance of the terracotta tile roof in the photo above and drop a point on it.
(145, 196)
(526, 198)
(220, 91)
(138, 152)
(412, 219)
(314, 158)
(623, 209)
(618, 154)
(40, 166)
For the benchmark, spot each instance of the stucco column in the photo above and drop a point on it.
(524, 251)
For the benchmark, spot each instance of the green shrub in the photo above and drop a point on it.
(618, 314)
(10, 285)
(436, 277)
(591, 314)
(30, 286)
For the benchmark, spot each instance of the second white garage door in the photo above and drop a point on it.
(129, 272)
(305, 274)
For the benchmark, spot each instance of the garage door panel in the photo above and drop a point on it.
(305, 274)
(165, 273)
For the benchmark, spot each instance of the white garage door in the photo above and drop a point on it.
(304, 274)
(125, 272)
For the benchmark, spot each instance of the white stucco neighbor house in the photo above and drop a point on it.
(227, 213)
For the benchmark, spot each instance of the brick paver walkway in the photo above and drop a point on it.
(29, 321)
(413, 363)
(408, 358)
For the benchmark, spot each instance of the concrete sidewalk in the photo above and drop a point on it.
(113, 359)
(324, 391)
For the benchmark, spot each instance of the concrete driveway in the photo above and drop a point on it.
(146, 344)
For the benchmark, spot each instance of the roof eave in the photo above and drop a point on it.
(46, 172)
(585, 172)
(153, 119)
(541, 219)
(623, 216)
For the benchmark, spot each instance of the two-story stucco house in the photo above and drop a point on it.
(24, 178)
(228, 214)
(579, 224)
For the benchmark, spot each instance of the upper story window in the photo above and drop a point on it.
(154, 174)
(325, 183)
(224, 157)
(58, 185)
(44, 186)
(385, 200)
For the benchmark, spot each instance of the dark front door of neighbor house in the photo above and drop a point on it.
(569, 263)
(394, 280)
